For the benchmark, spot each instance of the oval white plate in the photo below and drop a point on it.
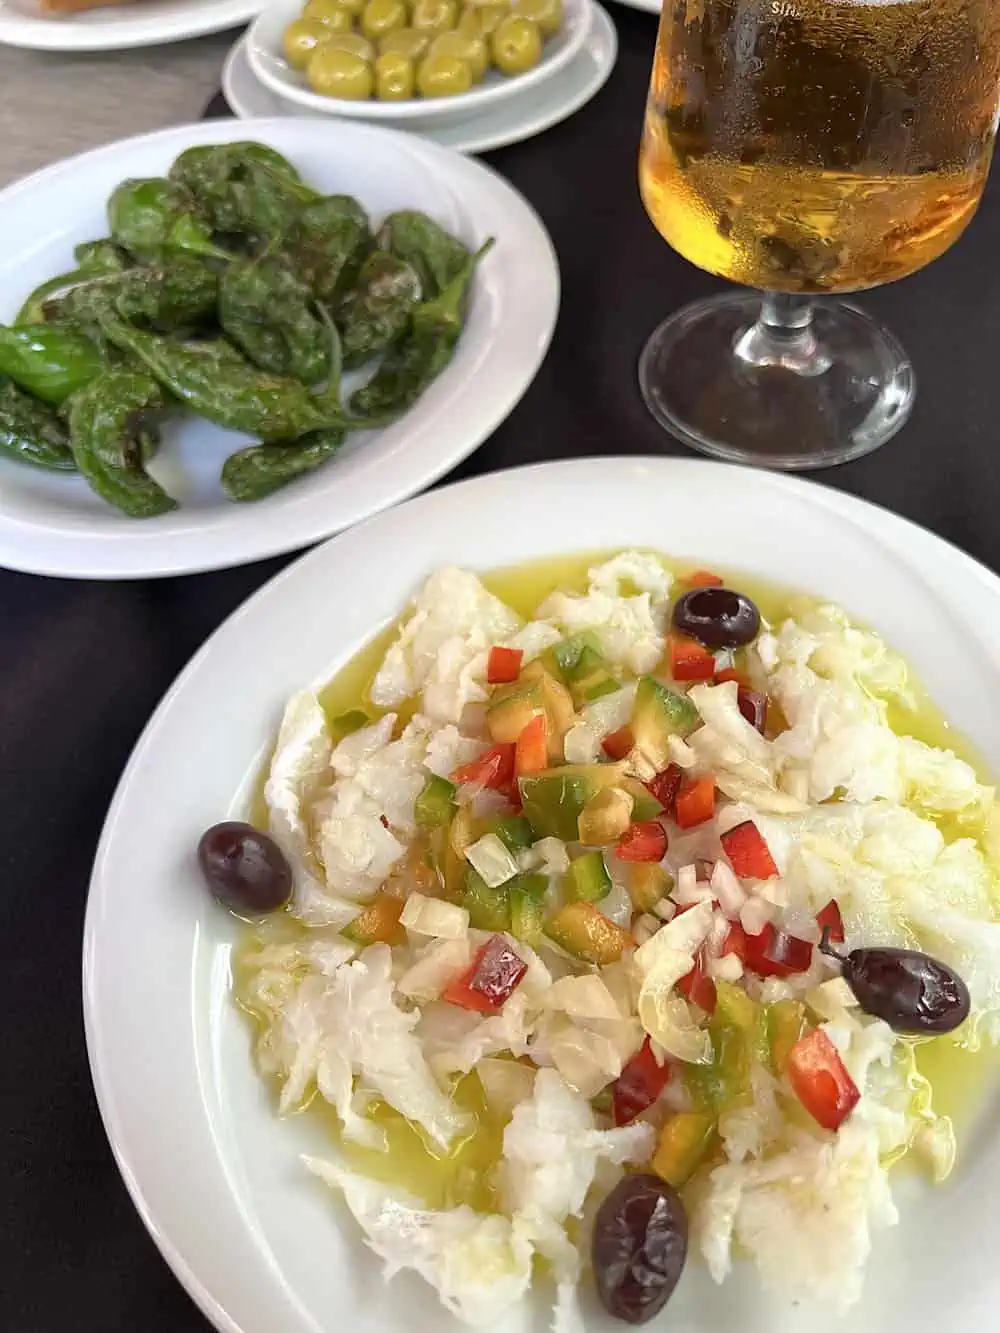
(264, 51)
(260, 1245)
(51, 524)
(118, 27)
(650, 6)
(510, 123)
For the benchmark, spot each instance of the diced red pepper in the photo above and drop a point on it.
(619, 744)
(495, 974)
(736, 942)
(704, 578)
(695, 802)
(495, 768)
(689, 659)
(643, 842)
(666, 785)
(748, 853)
(830, 919)
(638, 1085)
(504, 665)
(772, 953)
(698, 987)
(820, 1081)
(532, 748)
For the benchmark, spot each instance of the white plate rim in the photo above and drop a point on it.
(929, 559)
(463, 136)
(135, 552)
(261, 53)
(132, 29)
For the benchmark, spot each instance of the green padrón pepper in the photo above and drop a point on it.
(326, 244)
(153, 219)
(49, 361)
(437, 256)
(263, 469)
(106, 421)
(376, 311)
(410, 366)
(242, 189)
(32, 432)
(268, 311)
(94, 259)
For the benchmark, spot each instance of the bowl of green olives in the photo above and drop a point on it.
(416, 61)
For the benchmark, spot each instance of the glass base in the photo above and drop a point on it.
(819, 386)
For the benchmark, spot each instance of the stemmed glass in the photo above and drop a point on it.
(805, 148)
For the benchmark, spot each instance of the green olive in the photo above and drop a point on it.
(336, 73)
(381, 16)
(516, 45)
(548, 14)
(405, 42)
(352, 41)
(487, 17)
(394, 77)
(331, 13)
(443, 76)
(434, 15)
(470, 49)
(301, 38)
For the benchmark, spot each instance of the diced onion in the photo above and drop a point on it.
(755, 915)
(645, 928)
(443, 961)
(665, 909)
(726, 968)
(491, 859)
(727, 890)
(506, 1083)
(584, 998)
(616, 905)
(431, 916)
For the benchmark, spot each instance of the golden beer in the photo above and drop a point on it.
(806, 146)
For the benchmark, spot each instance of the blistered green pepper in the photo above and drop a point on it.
(268, 311)
(327, 242)
(243, 189)
(437, 256)
(213, 380)
(50, 361)
(376, 311)
(31, 432)
(106, 420)
(175, 298)
(153, 219)
(410, 366)
(94, 259)
(262, 469)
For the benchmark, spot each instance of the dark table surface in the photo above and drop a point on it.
(84, 664)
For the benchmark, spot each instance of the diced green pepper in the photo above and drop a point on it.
(583, 931)
(568, 653)
(353, 720)
(489, 909)
(725, 1083)
(657, 714)
(684, 1144)
(514, 832)
(527, 906)
(554, 798)
(435, 806)
(645, 806)
(589, 676)
(648, 884)
(785, 1022)
(511, 710)
(587, 878)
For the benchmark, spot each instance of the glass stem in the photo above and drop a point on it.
(783, 337)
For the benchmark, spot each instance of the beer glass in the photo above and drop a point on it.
(804, 148)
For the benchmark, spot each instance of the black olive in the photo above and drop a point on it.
(639, 1247)
(717, 617)
(244, 868)
(909, 990)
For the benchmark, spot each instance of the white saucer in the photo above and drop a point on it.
(519, 119)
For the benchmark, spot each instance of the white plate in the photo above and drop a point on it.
(264, 51)
(117, 27)
(650, 6)
(262, 1246)
(555, 101)
(52, 524)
